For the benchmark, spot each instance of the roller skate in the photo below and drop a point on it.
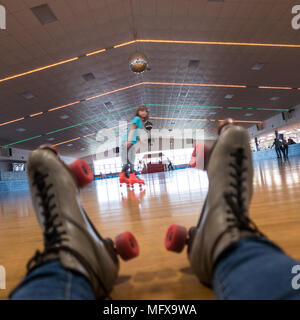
(224, 218)
(124, 179)
(133, 179)
(69, 235)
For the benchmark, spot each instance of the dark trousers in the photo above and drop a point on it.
(278, 152)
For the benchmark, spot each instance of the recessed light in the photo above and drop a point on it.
(70, 145)
(249, 114)
(20, 129)
(229, 96)
(27, 95)
(65, 116)
(274, 98)
(82, 149)
(257, 66)
(51, 139)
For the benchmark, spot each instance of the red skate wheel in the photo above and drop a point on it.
(49, 147)
(127, 246)
(82, 172)
(175, 238)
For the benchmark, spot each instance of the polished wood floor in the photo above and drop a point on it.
(172, 197)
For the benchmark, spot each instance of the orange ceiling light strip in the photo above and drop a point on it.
(195, 119)
(196, 84)
(114, 91)
(64, 106)
(36, 114)
(95, 52)
(124, 44)
(275, 88)
(222, 43)
(38, 69)
(8, 122)
(89, 135)
(153, 41)
(58, 144)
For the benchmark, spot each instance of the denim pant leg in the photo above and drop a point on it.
(255, 269)
(52, 282)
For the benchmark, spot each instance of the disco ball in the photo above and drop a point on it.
(138, 62)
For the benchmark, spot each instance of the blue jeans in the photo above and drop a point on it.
(52, 282)
(255, 270)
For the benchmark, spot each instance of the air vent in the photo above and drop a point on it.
(108, 104)
(44, 14)
(194, 64)
(88, 77)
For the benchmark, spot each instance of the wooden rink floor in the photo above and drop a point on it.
(171, 197)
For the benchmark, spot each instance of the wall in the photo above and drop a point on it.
(294, 150)
(275, 122)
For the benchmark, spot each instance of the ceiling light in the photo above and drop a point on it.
(274, 98)
(249, 114)
(70, 145)
(257, 66)
(229, 96)
(27, 95)
(65, 116)
(51, 139)
(20, 129)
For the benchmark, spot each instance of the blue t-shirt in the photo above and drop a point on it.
(139, 125)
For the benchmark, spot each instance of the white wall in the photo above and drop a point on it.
(275, 122)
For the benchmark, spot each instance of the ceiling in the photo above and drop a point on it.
(84, 26)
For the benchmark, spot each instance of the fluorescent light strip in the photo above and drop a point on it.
(38, 69)
(114, 91)
(64, 106)
(275, 88)
(95, 52)
(219, 43)
(89, 135)
(197, 84)
(211, 107)
(5, 123)
(36, 114)
(222, 43)
(58, 144)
